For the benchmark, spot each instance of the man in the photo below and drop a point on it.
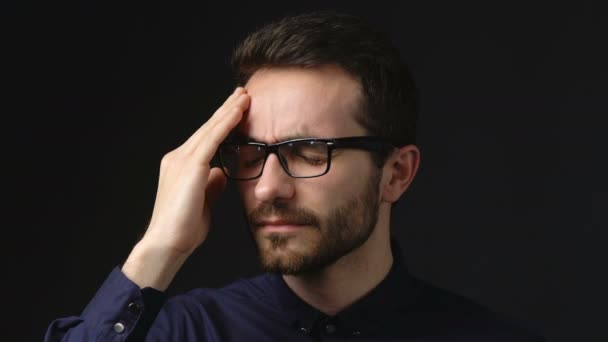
(320, 139)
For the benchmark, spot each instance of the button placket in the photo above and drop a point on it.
(330, 328)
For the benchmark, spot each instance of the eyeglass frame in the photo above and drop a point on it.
(367, 143)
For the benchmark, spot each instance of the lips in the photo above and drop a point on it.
(278, 225)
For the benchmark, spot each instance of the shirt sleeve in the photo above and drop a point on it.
(120, 311)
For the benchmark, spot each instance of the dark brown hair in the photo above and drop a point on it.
(389, 104)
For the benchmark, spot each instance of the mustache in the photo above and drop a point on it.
(281, 211)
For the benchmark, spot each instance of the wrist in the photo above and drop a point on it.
(154, 266)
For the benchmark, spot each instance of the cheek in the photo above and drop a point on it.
(350, 179)
(320, 194)
(324, 193)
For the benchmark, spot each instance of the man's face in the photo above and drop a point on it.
(302, 225)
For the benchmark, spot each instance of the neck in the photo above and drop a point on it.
(351, 277)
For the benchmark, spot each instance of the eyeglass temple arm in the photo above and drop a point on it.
(369, 143)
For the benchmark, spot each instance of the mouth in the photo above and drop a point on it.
(279, 226)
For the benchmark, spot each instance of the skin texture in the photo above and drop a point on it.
(319, 262)
(334, 213)
(343, 215)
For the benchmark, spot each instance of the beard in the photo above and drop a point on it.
(323, 240)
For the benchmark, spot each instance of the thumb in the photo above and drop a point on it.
(215, 185)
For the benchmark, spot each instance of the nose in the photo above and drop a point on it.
(274, 183)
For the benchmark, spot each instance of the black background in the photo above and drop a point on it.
(508, 207)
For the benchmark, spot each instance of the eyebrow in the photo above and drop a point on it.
(245, 138)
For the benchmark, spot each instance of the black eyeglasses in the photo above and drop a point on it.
(300, 158)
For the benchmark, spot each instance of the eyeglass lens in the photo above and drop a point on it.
(299, 159)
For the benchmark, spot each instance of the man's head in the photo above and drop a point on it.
(324, 76)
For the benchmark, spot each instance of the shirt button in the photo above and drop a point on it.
(119, 328)
(134, 308)
(330, 328)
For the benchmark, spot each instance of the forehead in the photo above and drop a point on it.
(290, 102)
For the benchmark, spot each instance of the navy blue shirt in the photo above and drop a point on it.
(400, 308)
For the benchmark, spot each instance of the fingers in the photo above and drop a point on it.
(217, 130)
(234, 100)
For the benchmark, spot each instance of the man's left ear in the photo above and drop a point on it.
(399, 171)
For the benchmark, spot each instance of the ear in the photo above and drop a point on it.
(399, 171)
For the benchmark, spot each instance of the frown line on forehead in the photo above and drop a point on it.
(300, 134)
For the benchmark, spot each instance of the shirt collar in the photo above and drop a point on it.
(368, 315)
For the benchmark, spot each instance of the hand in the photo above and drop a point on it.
(186, 189)
(187, 184)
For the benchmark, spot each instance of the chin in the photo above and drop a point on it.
(285, 253)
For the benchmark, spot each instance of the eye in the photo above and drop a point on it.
(250, 156)
(312, 160)
(311, 154)
(253, 162)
